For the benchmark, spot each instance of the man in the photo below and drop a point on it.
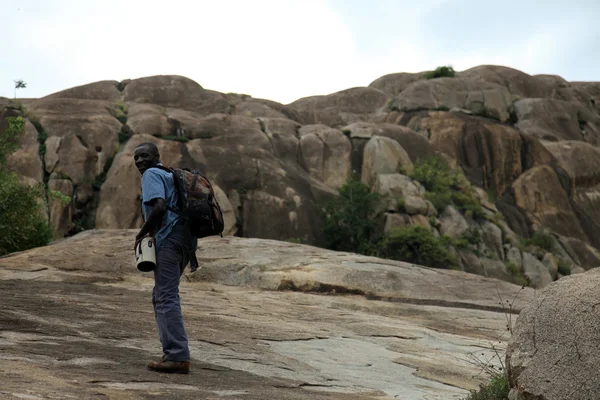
(175, 245)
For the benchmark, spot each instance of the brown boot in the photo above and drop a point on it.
(169, 367)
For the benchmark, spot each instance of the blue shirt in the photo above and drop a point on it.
(157, 183)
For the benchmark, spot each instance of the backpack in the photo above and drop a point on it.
(197, 202)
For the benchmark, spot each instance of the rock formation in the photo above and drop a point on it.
(553, 353)
(513, 135)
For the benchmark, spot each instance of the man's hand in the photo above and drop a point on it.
(138, 239)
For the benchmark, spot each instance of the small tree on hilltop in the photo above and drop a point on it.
(19, 84)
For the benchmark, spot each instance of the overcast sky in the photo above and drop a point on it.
(284, 50)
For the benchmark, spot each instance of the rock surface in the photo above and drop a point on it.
(77, 322)
(553, 353)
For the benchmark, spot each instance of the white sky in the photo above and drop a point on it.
(283, 50)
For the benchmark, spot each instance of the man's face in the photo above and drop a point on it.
(145, 157)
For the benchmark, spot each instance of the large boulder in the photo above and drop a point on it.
(383, 155)
(340, 108)
(416, 144)
(176, 92)
(82, 135)
(284, 137)
(517, 82)
(480, 97)
(553, 352)
(555, 120)
(394, 84)
(326, 154)
(492, 155)
(539, 194)
(581, 161)
(102, 90)
(148, 119)
(26, 161)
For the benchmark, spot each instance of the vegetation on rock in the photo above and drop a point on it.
(349, 219)
(22, 220)
(446, 186)
(441, 72)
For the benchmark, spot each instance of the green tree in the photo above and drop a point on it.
(9, 138)
(22, 221)
(349, 218)
(19, 84)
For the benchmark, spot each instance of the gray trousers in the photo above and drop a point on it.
(172, 256)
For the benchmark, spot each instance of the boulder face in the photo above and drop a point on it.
(518, 83)
(82, 135)
(555, 120)
(528, 143)
(394, 84)
(479, 97)
(103, 90)
(553, 352)
(489, 153)
(341, 108)
(177, 92)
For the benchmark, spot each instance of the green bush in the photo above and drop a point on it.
(564, 268)
(441, 72)
(496, 389)
(418, 245)
(540, 239)
(349, 219)
(446, 186)
(9, 138)
(22, 221)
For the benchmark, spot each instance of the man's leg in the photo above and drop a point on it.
(169, 320)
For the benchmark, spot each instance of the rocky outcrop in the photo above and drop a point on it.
(102, 90)
(81, 307)
(518, 83)
(555, 120)
(82, 135)
(340, 108)
(325, 153)
(175, 92)
(394, 84)
(553, 352)
(276, 164)
(479, 97)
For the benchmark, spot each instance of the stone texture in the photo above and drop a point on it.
(340, 108)
(176, 92)
(394, 84)
(326, 154)
(553, 352)
(539, 193)
(383, 156)
(61, 212)
(517, 82)
(453, 224)
(555, 120)
(87, 313)
(479, 97)
(88, 135)
(101, 90)
(26, 161)
(536, 272)
(148, 119)
(489, 153)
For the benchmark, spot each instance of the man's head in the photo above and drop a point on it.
(146, 155)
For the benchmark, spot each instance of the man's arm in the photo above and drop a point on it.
(159, 206)
(153, 194)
